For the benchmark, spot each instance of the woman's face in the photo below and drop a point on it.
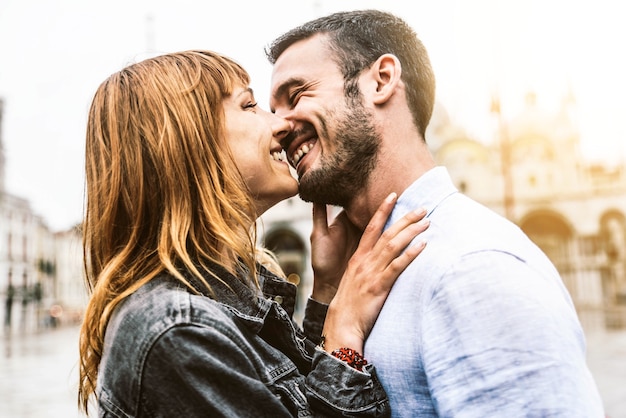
(254, 135)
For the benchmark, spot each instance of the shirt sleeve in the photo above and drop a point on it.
(502, 339)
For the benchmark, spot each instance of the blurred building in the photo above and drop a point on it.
(285, 229)
(70, 290)
(32, 289)
(532, 171)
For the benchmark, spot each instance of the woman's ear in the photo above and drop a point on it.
(386, 71)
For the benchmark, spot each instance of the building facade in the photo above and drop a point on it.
(32, 288)
(70, 289)
(26, 264)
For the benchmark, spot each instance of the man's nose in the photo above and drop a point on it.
(284, 112)
(283, 131)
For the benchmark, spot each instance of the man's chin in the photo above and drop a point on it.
(317, 186)
(306, 191)
(306, 197)
(314, 196)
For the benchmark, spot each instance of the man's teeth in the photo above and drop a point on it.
(300, 153)
(279, 156)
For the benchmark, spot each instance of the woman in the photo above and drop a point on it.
(187, 316)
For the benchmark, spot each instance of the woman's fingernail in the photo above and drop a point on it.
(423, 222)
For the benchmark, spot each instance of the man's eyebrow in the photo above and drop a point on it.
(286, 85)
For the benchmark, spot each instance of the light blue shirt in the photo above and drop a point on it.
(480, 324)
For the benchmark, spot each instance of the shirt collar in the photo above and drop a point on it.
(428, 191)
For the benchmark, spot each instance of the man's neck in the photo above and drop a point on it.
(391, 175)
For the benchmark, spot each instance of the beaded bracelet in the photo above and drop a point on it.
(350, 356)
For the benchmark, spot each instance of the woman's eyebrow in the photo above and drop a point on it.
(245, 91)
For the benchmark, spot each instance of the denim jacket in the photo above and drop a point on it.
(171, 353)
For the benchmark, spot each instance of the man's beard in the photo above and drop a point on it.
(345, 172)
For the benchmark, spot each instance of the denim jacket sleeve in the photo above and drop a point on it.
(195, 370)
(314, 317)
(335, 389)
(332, 387)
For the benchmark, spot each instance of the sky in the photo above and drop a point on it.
(55, 53)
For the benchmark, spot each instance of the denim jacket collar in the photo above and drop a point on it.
(245, 301)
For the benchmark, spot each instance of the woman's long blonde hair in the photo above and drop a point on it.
(162, 190)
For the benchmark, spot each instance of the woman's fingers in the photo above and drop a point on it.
(408, 219)
(399, 263)
(388, 247)
(372, 270)
(390, 256)
(320, 218)
(397, 237)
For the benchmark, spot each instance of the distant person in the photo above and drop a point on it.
(480, 324)
(188, 317)
(25, 301)
(8, 305)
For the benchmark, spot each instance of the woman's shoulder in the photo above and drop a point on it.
(164, 302)
(163, 311)
(155, 309)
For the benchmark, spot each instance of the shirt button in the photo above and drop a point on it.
(278, 299)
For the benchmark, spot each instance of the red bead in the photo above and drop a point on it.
(350, 356)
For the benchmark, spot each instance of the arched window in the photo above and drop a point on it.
(290, 251)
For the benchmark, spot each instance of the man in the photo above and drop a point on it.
(479, 325)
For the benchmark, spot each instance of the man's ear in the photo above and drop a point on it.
(386, 71)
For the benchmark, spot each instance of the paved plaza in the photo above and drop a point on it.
(606, 356)
(38, 372)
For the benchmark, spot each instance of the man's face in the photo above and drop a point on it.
(334, 146)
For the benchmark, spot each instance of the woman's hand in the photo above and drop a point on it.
(331, 248)
(370, 273)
